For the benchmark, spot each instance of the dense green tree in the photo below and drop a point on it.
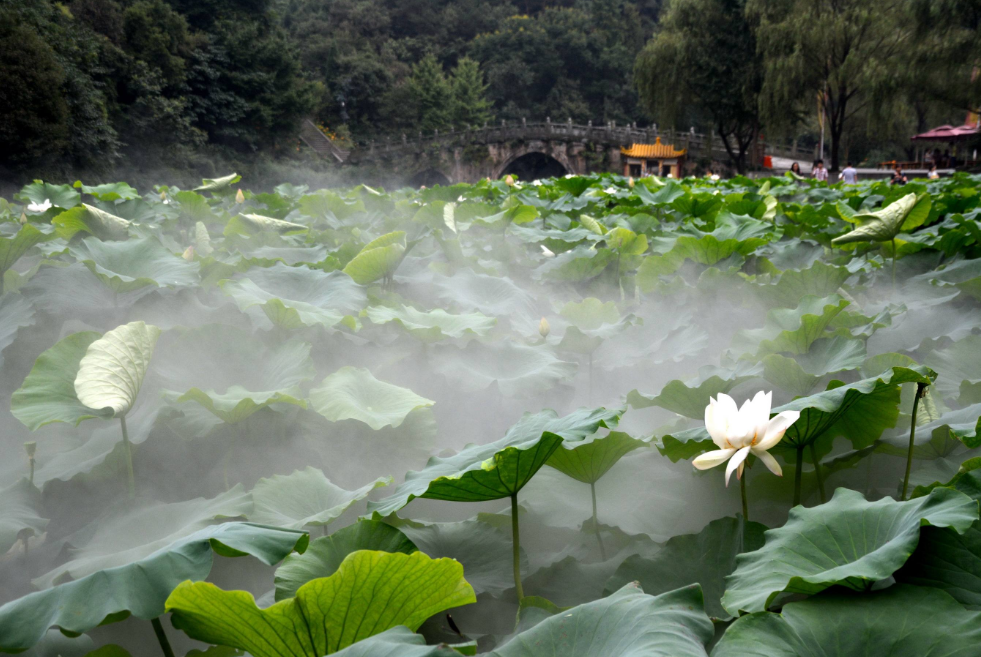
(35, 116)
(848, 51)
(470, 104)
(156, 34)
(432, 94)
(704, 55)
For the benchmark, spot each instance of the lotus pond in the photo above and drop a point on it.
(540, 418)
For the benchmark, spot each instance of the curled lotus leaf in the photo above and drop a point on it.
(111, 372)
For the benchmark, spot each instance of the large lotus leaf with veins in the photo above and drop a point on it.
(139, 587)
(353, 393)
(130, 265)
(629, 623)
(297, 297)
(233, 373)
(901, 621)
(847, 542)
(371, 592)
(501, 468)
(515, 369)
(304, 498)
(433, 325)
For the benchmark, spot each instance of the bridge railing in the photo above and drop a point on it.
(610, 134)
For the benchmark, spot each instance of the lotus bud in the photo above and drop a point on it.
(544, 328)
(163, 196)
(630, 182)
(31, 449)
(23, 217)
(240, 197)
(509, 181)
(189, 253)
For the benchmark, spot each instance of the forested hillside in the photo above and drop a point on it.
(89, 85)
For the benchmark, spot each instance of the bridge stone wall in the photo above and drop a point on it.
(469, 155)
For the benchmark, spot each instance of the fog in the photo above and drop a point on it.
(480, 387)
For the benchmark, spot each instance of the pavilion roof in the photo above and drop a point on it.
(657, 151)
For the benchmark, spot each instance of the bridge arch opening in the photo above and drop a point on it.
(534, 166)
(428, 178)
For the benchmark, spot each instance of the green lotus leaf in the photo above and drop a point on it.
(959, 369)
(16, 245)
(215, 184)
(901, 621)
(628, 623)
(490, 295)
(111, 372)
(48, 393)
(399, 641)
(847, 542)
(371, 592)
(885, 223)
(296, 297)
(791, 330)
(590, 459)
(591, 313)
(517, 370)
(89, 219)
(74, 291)
(248, 224)
(129, 535)
(324, 555)
(304, 498)
(819, 280)
(378, 259)
(577, 264)
(109, 191)
(799, 375)
(690, 399)
(433, 325)
(499, 469)
(15, 312)
(139, 588)
(19, 507)
(485, 552)
(353, 393)
(946, 559)
(61, 196)
(626, 242)
(706, 558)
(232, 373)
(127, 266)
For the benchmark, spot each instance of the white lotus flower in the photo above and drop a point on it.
(546, 251)
(39, 207)
(610, 190)
(739, 433)
(715, 176)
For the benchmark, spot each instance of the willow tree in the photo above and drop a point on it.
(850, 52)
(704, 55)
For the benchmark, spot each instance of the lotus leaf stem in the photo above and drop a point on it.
(920, 392)
(599, 537)
(30, 478)
(129, 458)
(798, 472)
(742, 493)
(894, 262)
(817, 472)
(516, 547)
(162, 637)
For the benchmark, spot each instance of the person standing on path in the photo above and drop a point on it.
(849, 175)
(820, 173)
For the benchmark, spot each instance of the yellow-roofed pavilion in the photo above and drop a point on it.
(655, 159)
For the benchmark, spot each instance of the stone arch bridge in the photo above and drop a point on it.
(526, 149)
